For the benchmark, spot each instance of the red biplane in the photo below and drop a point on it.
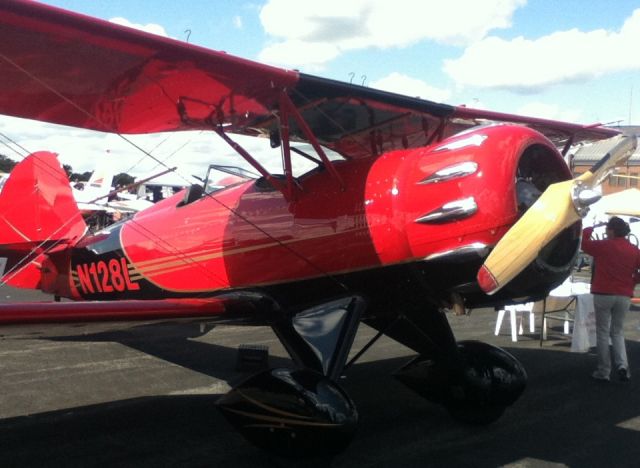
(429, 207)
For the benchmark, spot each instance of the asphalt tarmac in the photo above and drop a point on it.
(145, 397)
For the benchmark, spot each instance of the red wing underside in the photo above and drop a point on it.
(74, 70)
(66, 68)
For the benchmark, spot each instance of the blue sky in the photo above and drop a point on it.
(574, 60)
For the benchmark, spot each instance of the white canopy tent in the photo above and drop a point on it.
(625, 203)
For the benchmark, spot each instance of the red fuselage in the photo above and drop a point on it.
(251, 235)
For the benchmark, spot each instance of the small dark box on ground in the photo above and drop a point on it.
(252, 357)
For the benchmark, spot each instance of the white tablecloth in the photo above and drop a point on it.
(584, 319)
(584, 324)
(569, 289)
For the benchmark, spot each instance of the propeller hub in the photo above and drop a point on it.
(583, 196)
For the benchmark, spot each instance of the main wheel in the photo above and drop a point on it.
(475, 388)
(492, 380)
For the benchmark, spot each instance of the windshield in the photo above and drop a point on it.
(303, 160)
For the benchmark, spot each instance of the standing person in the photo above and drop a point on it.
(616, 261)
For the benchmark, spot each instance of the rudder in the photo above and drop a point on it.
(37, 210)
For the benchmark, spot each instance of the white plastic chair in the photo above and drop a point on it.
(516, 328)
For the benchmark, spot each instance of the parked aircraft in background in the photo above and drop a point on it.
(92, 197)
(101, 203)
(428, 207)
(97, 187)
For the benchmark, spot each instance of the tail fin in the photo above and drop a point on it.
(37, 211)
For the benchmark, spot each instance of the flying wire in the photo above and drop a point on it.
(161, 163)
(15, 143)
(82, 110)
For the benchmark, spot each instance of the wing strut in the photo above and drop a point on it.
(568, 145)
(438, 132)
(286, 147)
(245, 154)
(287, 109)
(286, 106)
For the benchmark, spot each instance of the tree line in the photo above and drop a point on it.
(7, 164)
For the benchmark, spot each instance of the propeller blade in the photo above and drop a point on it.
(549, 215)
(559, 206)
(617, 155)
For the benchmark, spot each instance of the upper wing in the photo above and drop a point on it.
(66, 68)
(71, 69)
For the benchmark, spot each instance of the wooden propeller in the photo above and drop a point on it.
(559, 206)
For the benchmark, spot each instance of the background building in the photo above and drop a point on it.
(582, 157)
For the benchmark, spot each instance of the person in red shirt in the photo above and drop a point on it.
(615, 263)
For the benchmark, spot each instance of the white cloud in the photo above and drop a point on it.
(340, 26)
(403, 84)
(310, 55)
(527, 66)
(237, 22)
(190, 152)
(150, 27)
(550, 111)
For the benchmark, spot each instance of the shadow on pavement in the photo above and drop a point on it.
(563, 419)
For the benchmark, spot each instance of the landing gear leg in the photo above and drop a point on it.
(302, 413)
